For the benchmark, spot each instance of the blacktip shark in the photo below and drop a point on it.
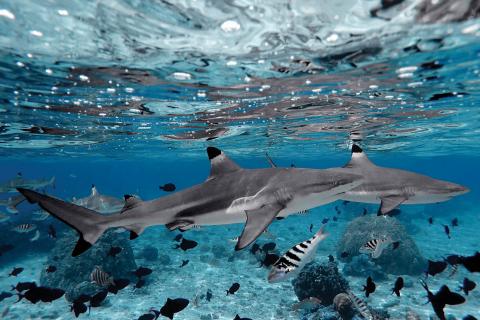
(230, 194)
(100, 202)
(19, 182)
(393, 187)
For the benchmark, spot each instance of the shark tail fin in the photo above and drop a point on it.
(88, 223)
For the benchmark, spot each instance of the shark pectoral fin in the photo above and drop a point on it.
(135, 230)
(390, 202)
(257, 221)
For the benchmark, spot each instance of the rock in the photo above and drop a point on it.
(406, 259)
(149, 253)
(164, 260)
(322, 281)
(362, 265)
(343, 305)
(73, 273)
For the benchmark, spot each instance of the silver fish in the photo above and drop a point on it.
(293, 261)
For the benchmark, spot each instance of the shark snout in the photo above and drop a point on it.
(456, 189)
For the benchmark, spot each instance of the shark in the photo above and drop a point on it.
(11, 185)
(231, 194)
(99, 202)
(391, 187)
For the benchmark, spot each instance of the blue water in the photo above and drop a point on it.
(127, 95)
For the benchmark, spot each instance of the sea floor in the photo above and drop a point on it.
(214, 265)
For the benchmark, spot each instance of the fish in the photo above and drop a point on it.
(4, 217)
(435, 267)
(140, 283)
(184, 263)
(50, 269)
(270, 246)
(78, 306)
(447, 230)
(471, 263)
(52, 233)
(270, 259)
(237, 317)
(142, 272)
(231, 194)
(168, 187)
(395, 245)
(36, 236)
(430, 220)
(186, 244)
(4, 295)
(308, 304)
(24, 228)
(454, 270)
(370, 287)
(100, 277)
(468, 285)
(41, 215)
(100, 202)
(178, 237)
(11, 203)
(255, 247)
(360, 305)
(22, 286)
(233, 288)
(293, 261)
(398, 286)
(337, 210)
(392, 187)
(209, 295)
(151, 315)
(442, 298)
(454, 222)
(331, 258)
(114, 251)
(334, 218)
(4, 248)
(36, 294)
(118, 284)
(16, 271)
(325, 220)
(364, 212)
(311, 227)
(344, 254)
(173, 306)
(469, 317)
(375, 247)
(19, 182)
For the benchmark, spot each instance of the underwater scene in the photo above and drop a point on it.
(240, 159)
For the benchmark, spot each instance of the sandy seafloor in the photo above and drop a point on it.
(257, 299)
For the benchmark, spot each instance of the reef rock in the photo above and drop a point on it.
(73, 273)
(362, 265)
(322, 281)
(344, 306)
(406, 259)
(149, 253)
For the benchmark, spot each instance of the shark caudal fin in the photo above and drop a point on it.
(89, 224)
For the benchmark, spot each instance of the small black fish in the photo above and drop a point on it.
(140, 283)
(114, 251)
(209, 295)
(364, 213)
(454, 222)
(142, 272)
(168, 187)
(267, 247)
(325, 220)
(78, 307)
(186, 244)
(435, 267)
(398, 286)
(471, 263)
(345, 202)
(52, 233)
(152, 315)
(4, 248)
(51, 269)
(369, 287)
(453, 259)
(234, 288)
(395, 245)
(237, 317)
(178, 237)
(468, 285)
(44, 294)
(311, 227)
(337, 210)
(184, 263)
(447, 230)
(118, 284)
(173, 306)
(4, 295)
(255, 247)
(15, 272)
(430, 220)
(334, 218)
(97, 299)
(270, 259)
(469, 317)
(331, 258)
(344, 254)
(443, 297)
(22, 286)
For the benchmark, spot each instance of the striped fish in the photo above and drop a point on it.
(453, 271)
(361, 306)
(100, 277)
(375, 247)
(293, 261)
(25, 228)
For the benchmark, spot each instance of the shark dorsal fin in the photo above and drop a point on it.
(220, 163)
(359, 158)
(130, 202)
(94, 190)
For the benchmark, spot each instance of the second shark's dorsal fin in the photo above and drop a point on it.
(359, 158)
(220, 163)
(94, 191)
(130, 202)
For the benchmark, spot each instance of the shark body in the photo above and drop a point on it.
(19, 182)
(230, 195)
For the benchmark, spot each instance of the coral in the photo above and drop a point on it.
(149, 253)
(362, 265)
(406, 259)
(343, 305)
(322, 281)
(73, 273)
